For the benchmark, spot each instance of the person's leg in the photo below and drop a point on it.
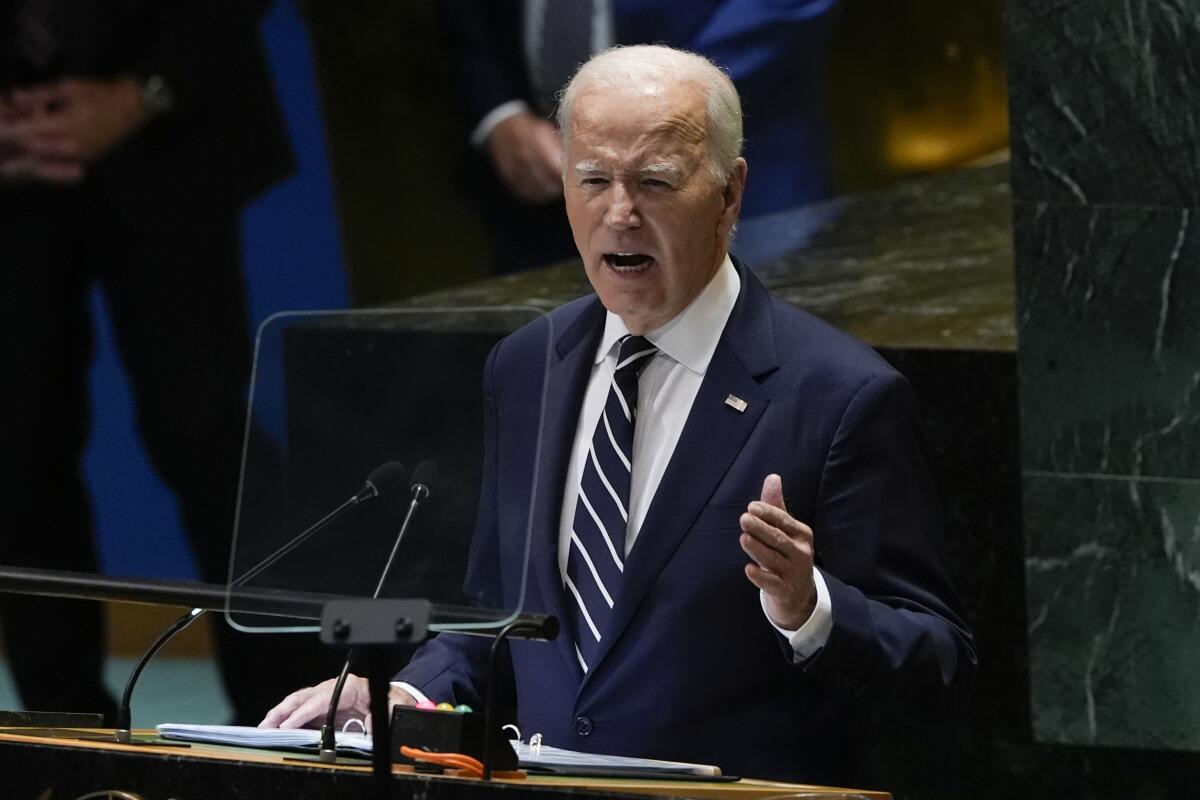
(55, 648)
(179, 309)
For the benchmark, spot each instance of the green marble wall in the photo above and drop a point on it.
(1106, 183)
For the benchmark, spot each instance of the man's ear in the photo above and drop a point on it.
(732, 195)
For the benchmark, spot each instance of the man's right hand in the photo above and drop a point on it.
(307, 707)
(19, 164)
(527, 154)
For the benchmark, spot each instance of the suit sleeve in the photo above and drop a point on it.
(757, 41)
(484, 44)
(898, 644)
(200, 47)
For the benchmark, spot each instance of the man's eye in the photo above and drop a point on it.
(595, 181)
(656, 183)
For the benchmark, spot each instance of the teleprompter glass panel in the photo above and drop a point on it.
(349, 411)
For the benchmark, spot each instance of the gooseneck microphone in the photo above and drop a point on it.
(424, 476)
(384, 479)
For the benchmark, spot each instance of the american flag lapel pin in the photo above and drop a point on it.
(736, 403)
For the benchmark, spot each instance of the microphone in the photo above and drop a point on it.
(424, 476)
(384, 479)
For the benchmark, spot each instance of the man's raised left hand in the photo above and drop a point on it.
(781, 549)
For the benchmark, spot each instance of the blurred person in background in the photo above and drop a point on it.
(511, 56)
(131, 136)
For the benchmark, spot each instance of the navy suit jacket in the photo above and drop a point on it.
(690, 668)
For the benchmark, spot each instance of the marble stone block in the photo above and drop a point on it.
(1113, 592)
(1102, 97)
(1109, 319)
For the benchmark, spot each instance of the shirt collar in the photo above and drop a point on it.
(691, 337)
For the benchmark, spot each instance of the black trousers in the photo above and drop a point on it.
(173, 282)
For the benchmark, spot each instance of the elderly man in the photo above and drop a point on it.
(706, 619)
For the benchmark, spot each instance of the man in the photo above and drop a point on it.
(705, 618)
(510, 57)
(131, 135)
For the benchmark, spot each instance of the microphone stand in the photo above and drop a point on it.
(124, 723)
(381, 480)
(328, 751)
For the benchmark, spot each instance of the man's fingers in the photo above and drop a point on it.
(549, 150)
(528, 180)
(534, 180)
(36, 100)
(62, 171)
(766, 557)
(527, 154)
(48, 127)
(285, 708)
(313, 708)
(44, 137)
(769, 582)
(550, 176)
(782, 533)
(779, 518)
(768, 535)
(54, 150)
(26, 169)
(311, 701)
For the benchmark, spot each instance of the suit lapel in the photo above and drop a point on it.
(565, 386)
(711, 438)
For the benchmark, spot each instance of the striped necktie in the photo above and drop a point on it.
(596, 558)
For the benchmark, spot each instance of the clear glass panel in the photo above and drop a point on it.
(335, 397)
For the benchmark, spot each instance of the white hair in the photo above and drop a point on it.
(647, 69)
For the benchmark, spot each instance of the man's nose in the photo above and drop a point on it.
(622, 213)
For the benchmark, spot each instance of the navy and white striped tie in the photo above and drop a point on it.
(596, 558)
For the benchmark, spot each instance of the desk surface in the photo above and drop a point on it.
(32, 764)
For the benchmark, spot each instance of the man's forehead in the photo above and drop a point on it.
(657, 102)
(604, 119)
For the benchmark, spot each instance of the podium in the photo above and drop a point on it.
(37, 766)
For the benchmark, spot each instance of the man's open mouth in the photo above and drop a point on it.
(628, 262)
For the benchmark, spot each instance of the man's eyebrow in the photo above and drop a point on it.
(588, 165)
(660, 168)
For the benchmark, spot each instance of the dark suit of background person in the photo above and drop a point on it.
(156, 222)
(690, 668)
(773, 51)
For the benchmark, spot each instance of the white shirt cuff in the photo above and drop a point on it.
(814, 633)
(417, 694)
(493, 118)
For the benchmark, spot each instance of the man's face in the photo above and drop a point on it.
(649, 219)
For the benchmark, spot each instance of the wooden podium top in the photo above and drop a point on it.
(34, 761)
